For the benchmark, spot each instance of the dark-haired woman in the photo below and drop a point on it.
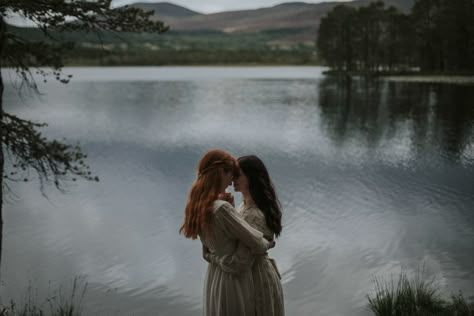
(221, 230)
(261, 209)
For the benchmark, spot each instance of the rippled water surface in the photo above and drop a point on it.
(374, 178)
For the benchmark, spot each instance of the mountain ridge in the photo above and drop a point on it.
(288, 15)
(166, 9)
(283, 15)
(284, 26)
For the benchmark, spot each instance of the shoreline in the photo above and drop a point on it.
(415, 77)
(421, 77)
(461, 79)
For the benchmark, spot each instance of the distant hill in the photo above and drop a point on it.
(166, 10)
(302, 17)
(402, 5)
(282, 16)
(287, 26)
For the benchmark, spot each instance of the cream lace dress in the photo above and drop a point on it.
(268, 292)
(227, 293)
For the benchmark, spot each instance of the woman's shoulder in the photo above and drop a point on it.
(256, 218)
(221, 205)
(251, 209)
(252, 212)
(224, 212)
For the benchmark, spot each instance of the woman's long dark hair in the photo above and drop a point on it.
(262, 191)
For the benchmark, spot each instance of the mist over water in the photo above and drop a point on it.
(374, 177)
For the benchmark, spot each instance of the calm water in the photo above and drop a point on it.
(374, 178)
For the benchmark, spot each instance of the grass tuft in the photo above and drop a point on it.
(58, 304)
(415, 297)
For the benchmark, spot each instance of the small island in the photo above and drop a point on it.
(432, 42)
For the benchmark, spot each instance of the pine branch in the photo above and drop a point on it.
(84, 15)
(53, 160)
(54, 17)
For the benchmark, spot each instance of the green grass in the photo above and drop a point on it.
(414, 297)
(58, 304)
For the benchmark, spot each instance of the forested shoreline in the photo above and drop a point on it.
(436, 37)
(137, 57)
(178, 48)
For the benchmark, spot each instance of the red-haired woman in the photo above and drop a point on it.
(221, 230)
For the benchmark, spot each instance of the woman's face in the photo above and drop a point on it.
(226, 176)
(241, 183)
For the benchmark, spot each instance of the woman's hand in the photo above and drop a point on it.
(228, 197)
(271, 244)
(205, 253)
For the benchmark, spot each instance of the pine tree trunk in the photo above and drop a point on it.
(2, 43)
(1, 167)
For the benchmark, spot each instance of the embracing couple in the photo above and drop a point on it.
(241, 280)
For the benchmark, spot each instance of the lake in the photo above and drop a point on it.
(375, 178)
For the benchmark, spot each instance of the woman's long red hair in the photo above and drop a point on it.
(205, 191)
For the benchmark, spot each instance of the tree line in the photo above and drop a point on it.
(145, 57)
(437, 36)
(177, 48)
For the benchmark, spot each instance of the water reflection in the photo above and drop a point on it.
(435, 119)
(373, 177)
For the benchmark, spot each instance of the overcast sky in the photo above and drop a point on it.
(212, 6)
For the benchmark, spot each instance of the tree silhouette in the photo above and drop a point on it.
(437, 36)
(21, 141)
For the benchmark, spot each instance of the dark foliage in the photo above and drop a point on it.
(436, 37)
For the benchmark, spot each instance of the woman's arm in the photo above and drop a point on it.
(239, 261)
(232, 223)
(206, 253)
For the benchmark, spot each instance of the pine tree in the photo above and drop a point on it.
(21, 140)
